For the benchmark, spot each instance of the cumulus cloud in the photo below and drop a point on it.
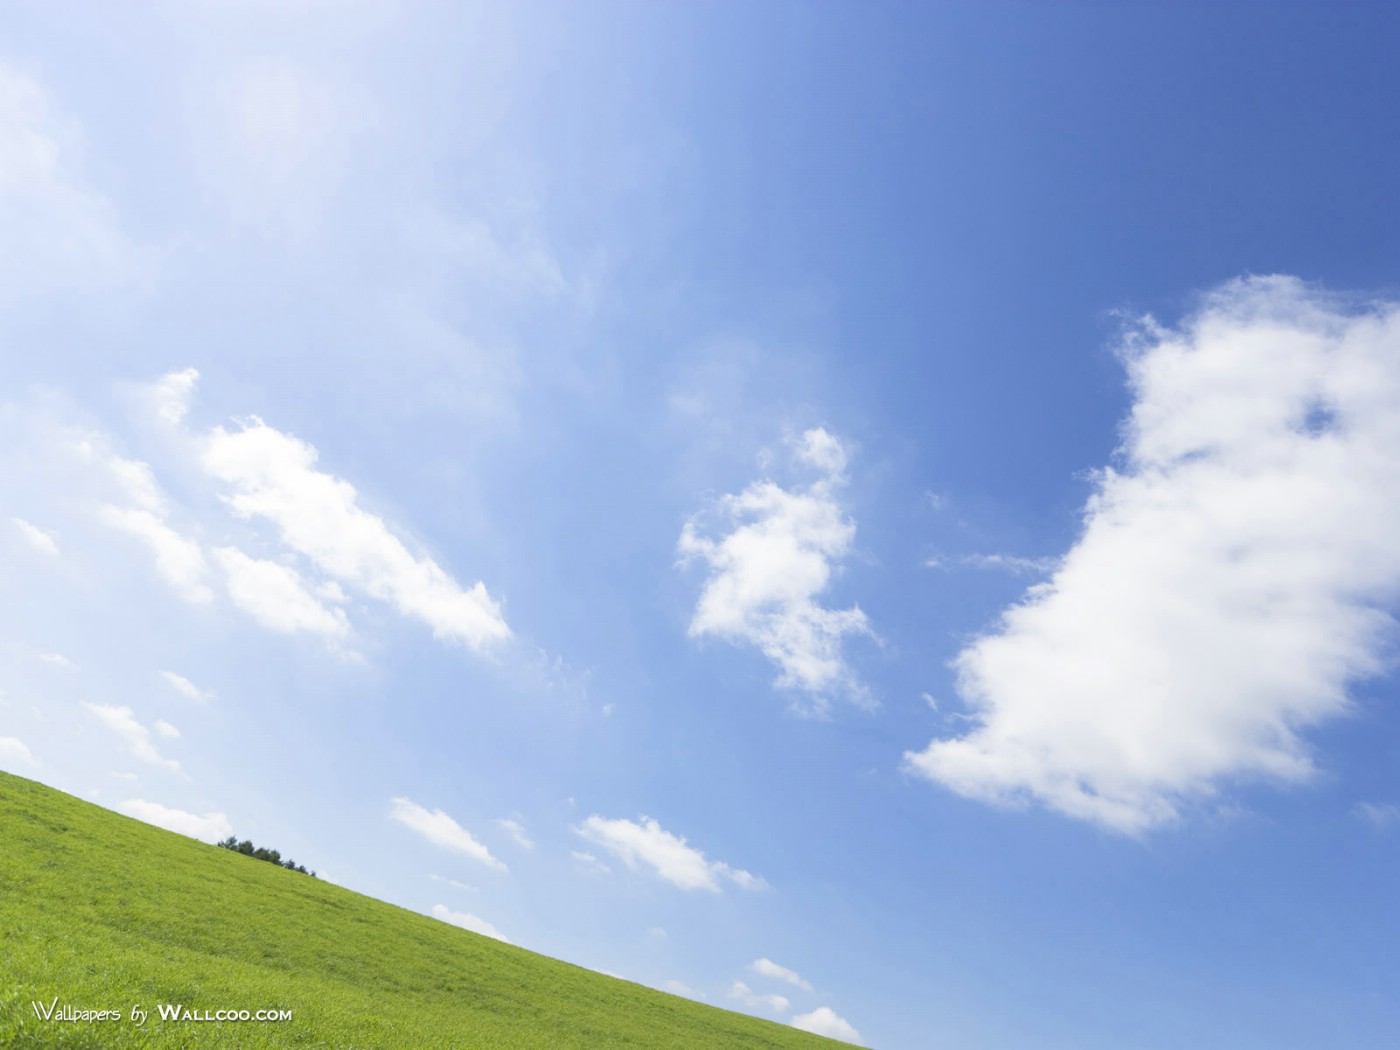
(467, 921)
(185, 687)
(13, 750)
(517, 832)
(166, 730)
(646, 843)
(768, 968)
(272, 475)
(766, 575)
(441, 830)
(211, 827)
(122, 721)
(40, 540)
(825, 1021)
(277, 597)
(746, 995)
(1230, 581)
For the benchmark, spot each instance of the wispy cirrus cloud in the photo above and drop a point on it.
(185, 687)
(767, 574)
(38, 538)
(441, 830)
(1233, 576)
(644, 843)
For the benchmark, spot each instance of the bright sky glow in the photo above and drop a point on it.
(879, 516)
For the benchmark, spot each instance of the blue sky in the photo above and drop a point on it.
(879, 517)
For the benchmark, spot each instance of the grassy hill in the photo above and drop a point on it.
(101, 911)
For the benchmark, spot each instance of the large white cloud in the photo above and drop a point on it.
(825, 1021)
(211, 827)
(647, 843)
(1231, 579)
(766, 575)
(467, 921)
(272, 475)
(441, 830)
(122, 721)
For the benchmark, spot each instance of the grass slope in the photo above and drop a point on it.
(102, 911)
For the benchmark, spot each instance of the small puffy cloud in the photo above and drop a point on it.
(676, 987)
(746, 995)
(441, 830)
(767, 573)
(166, 730)
(122, 721)
(41, 541)
(1233, 576)
(516, 832)
(467, 921)
(646, 843)
(211, 827)
(277, 597)
(13, 750)
(825, 1021)
(179, 560)
(768, 968)
(1381, 815)
(185, 687)
(272, 475)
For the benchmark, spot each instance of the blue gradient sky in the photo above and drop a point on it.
(927, 470)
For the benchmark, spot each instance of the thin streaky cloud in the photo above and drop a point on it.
(645, 844)
(441, 830)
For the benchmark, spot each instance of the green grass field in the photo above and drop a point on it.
(100, 911)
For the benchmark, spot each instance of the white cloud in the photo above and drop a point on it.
(454, 884)
(1008, 563)
(39, 539)
(122, 721)
(57, 234)
(768, 968)
(517, 832)
(271, 475)
(666, 854)
(825, 1021)
(13, 750)
(441, 830)
(171, 394)
(277, 597)
(676, 987)
(1231, 579)
(179, 561)
(467, 921)
(185, 687)
(746, 995)
(767, 573)
(166, 730)
(589, 863)
(212, 827)
(1381, 815)
(58, 660)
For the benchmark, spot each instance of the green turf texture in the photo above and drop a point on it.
(102, 911)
